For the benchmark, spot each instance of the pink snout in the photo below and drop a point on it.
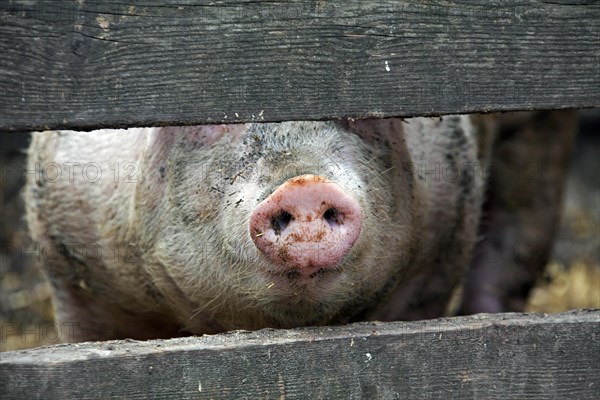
(308, 223)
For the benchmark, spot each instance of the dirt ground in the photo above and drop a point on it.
(571, 280)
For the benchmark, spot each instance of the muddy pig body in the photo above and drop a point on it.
(160, 232)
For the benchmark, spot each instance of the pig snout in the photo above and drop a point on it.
(307, 224)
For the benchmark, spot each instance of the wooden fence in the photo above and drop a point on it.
(501, 356)
(90, 64)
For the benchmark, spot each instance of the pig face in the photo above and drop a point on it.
(280, 225)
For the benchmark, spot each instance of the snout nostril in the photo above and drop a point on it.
(333, 217)
(280, 221)
(307, 225)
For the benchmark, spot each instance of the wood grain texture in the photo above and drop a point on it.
(88, 64)
(503, 356)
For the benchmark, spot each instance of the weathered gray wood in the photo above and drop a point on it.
(88, 64)
(503, 356)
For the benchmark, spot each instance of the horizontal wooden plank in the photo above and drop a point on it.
(502, 356)
(88, 64)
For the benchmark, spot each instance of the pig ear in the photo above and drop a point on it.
(162, 140)
(199, 135)
(376, 131)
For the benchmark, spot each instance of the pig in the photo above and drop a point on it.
(170, 231)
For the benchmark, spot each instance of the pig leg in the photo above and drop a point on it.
(82, 312)
(84, 318)
(521, 214)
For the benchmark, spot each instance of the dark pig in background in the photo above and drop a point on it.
(160, 232)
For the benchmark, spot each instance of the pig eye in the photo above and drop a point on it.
(333, 217)
(281, 221)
